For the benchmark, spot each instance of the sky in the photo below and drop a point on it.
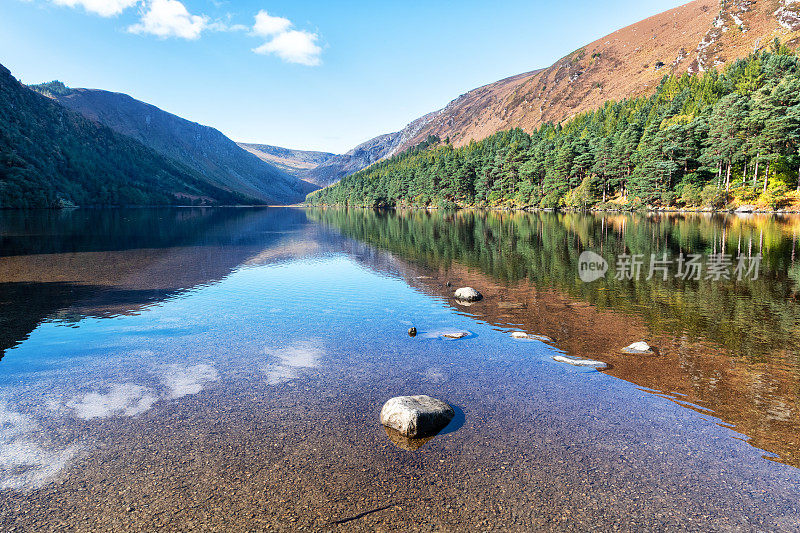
(310, 75)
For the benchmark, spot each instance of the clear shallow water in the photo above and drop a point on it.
(225, 368)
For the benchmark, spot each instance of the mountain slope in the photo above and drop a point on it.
(53, 157)
(698, 36)
(205, 150)
(366, 153)
(324, 169)
(293, 162)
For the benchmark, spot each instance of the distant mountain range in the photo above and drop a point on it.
(203, 149)
(323, 169)
(205, 166)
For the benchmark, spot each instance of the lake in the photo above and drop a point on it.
(225, 369)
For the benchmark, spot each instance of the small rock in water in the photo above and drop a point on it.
(529, 336)
(468, 294)
(412, 332)
(638, 348)
(416, 416)
(580, 361)
(455, 335)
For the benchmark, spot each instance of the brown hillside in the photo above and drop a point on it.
(698, 36)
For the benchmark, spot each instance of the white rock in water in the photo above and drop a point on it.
(468, 294)
(638, 348)
(416, 416)
(579, 361)
(521, 335)
(455, 335)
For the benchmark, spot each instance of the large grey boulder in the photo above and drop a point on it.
(468, 294)
(416, 416)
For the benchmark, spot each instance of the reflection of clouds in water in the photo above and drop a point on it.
(184, 380)
(304, 354)
(24, 463)
(434, 375)
(129, 399)
(124, 399)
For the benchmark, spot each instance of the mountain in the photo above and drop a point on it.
(293, 162)
(203, 149)
(324, 169)
(713, 140)
(53, 157)
(693, 38)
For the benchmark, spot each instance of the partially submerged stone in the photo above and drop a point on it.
(455, 335)
(468, 294)
(521, 335)
(403, 442)
(416, 416)
(580, 361)
(639, 348)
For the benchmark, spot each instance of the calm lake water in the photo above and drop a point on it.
(224, 369)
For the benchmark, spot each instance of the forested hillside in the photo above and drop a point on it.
(53, 157)
(700, 140)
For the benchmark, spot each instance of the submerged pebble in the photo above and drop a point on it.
(520, 335)
(639, 348)
(580, 361)
(416, 416)
(455, 335)
(468, 294)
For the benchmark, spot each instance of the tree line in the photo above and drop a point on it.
(707, 140)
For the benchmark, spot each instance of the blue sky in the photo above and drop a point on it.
(310, 75)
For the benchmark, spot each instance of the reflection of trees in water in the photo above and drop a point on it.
(753, 318)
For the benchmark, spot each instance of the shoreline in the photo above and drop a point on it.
(709, 211)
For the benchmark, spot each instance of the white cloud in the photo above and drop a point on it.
(184, 380)
(293, 46)
(267, 25)
(126, 399)
(104, 8)
(170, 18)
